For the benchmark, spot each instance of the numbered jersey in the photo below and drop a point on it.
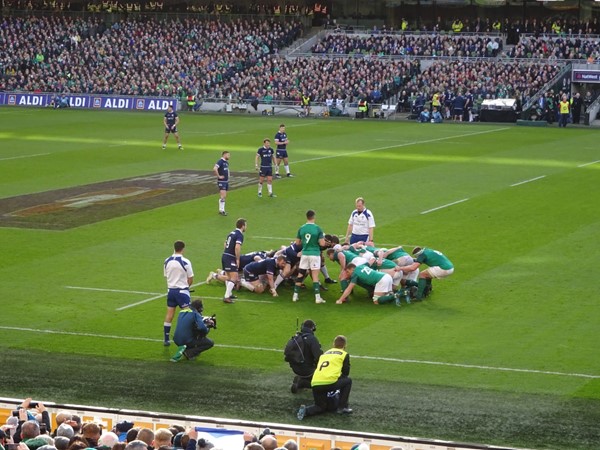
(233, 238)
(310, 234)
(366, 276)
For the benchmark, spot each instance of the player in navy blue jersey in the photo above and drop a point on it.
(291, 262)
(266, 157)
(171, 120)
(261, 274)
(245, 259)
(281, 154)
(221, 170)
(231, 258)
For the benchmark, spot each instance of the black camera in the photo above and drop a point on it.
(15, 413)
(207, 321)
(33, 404)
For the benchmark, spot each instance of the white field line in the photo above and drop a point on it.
(444, 206)
(304, 125)
(122, 144)
(405, 144)
(528, 181)
(205, 133)
(274, 237)
(155, 295)
(111, 290)
(589, 164)
(23, 156)
(380, 244)
(278, 350)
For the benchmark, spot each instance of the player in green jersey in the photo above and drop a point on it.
(311, 238)
(381, 282)
(439, 267)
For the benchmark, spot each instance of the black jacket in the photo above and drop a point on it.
(312, 351)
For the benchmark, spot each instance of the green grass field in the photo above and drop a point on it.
(504, 352)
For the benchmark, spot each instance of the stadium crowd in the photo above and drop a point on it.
(236, 60)
(557, 48)
(147, 57)
(415, 45)
(470, 46)
(32, 430)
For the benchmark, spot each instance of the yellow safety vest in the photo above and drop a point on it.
(329, 367)
(435, 101)
(564, 107)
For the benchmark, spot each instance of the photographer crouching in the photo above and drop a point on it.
(191, 332)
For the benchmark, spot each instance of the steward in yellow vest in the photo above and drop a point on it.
(564, 108)
(331, 384)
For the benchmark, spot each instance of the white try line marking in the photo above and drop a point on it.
(278, 350)
(444, 206)
(380, 244)
(528, 181)
(24, 156)
(111, 290)
(156, 295)
(205, 133)
(588, 164)
(405, 144)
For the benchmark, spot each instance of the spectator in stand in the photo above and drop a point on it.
(106, 441)
(91, 432)
(162, 438)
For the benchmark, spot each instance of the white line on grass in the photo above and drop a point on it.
(273, 237)
(588, 164)
(278, 350)
(24, 156)
(204, 133)
(444, 206)
(405, 144)
(110, 290)
(156, 295)
(380, 244)
(528, 181)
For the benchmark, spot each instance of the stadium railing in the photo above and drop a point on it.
(308, 438)
(555, 84)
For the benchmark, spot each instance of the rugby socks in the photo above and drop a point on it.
(317, 289)
(278, 281)
(287, 168)
(270, 188)
(259, 188)
(421, 290)
(229, 285)
(388, 298)
(325, 272)
(167, 330)
(247, 285)
(221, 205)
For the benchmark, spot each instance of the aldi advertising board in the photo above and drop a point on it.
(88, 101)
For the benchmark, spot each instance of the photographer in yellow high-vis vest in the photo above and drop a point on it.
(564, 108)
(331, 384)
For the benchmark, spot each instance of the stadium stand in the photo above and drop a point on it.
(306, 438)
